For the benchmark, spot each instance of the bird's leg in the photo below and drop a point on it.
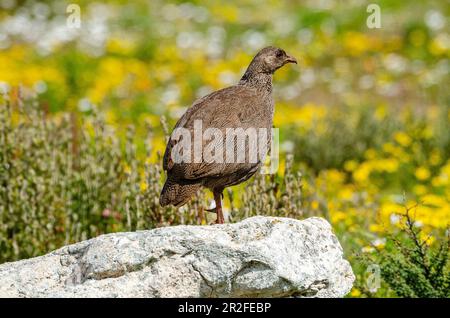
(213, 210)
(218, 200)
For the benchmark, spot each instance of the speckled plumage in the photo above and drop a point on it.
(249, 104)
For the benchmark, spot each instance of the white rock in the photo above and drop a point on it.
(258, 257)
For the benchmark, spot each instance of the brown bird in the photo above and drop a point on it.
(249, 104)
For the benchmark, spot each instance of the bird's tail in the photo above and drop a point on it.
(178, 192)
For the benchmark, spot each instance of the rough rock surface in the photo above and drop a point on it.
(258, 257)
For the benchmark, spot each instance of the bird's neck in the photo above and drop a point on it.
(256, 79)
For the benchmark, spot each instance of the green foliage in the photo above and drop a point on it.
(411, 266)
(272, 196)
(344, 138)
(65, 179)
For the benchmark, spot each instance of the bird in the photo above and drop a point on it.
(247, 104)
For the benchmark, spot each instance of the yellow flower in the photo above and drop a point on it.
(432, 199)
(420, 189)
(439, 45)
(446, 169)
(402, 138)
(392, 149)
(376, 228)
(389, 208)
(110, 117)
(334, 176)
(362, 173)
(143, 185)
(314, 205)
(370, 153)
(435, 157)
(422, 173)
(355, 292)
(350, 165)
(427, 133)
(356, 43)
(387, 165)
(391, 165)
(338, 216)
(126, 169)
(439, 181)
(380, 112)
(307, 116)
(346, 193)
(148, 160)
(426, 238)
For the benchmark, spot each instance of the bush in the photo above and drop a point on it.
(413, 267)
(67, 179)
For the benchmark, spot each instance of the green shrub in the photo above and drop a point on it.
(411, 266)
(67, 179)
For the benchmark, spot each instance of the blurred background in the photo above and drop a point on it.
(364, 117)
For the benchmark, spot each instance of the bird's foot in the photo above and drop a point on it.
(220, 221)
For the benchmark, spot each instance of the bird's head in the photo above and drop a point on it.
(270, 59)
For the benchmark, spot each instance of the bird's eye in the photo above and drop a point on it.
(279, 53)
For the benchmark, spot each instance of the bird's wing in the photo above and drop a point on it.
(232, 107)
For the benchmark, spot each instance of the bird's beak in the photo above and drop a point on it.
(290, 59)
